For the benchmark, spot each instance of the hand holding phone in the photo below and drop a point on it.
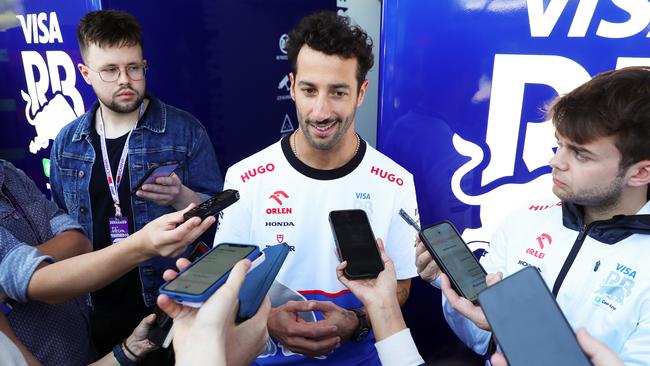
(213, 205)
(154, 172)
(202, 278)
(528, 324)
(455, 259)
(356, 244)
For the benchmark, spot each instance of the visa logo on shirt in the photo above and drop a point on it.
(625, 270)
(362, 196)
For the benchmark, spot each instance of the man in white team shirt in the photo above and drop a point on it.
(288, 189)
(592, 249)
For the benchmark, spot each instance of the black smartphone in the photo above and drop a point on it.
(455, 259)
(213, 205)
(164, 170)
(356, 243)
(159, 331)
(528, 324)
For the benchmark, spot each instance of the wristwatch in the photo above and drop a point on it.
(363, 329)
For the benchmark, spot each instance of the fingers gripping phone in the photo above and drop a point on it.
(455, 259)
(356, 244)
(213, 205)
(201, 279)
(528, 324)
(154, 172)
(159, 333)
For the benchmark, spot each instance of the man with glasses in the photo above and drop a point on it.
(99, 158)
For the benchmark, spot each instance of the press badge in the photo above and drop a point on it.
(119, 228)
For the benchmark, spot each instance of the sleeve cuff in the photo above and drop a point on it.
(16, 270)
(399, 349)
(62, 222)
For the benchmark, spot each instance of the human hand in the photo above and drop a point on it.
(378, 295)
(345, 321)
(373, 292)
(427, 268)
(137, 342)
(165, 237)
(310, 339)
(247, 340)
(464, 306)
(168, 191)
(597, 352)
(200, 335)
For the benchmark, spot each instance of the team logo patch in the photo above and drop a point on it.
(280, 198)
(616, 287)
(249, 174)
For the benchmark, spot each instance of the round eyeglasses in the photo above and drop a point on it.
(110, 74)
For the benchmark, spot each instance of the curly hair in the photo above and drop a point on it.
(332, 34)
(112, 28)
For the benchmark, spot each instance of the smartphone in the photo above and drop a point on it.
(259, 280)
(455, 259)
(159, 332)
(213, 205)
(154, 172)
(202, 278)
(528, 324)
(356, 244)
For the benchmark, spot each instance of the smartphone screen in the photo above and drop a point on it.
(356, 243)
(209, 269)
(455, 259)
(528, 324)
(161, 171)
(155, 172)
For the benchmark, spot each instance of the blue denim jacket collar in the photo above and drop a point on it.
(154, 119)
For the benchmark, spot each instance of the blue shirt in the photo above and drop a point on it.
(165, 134)
(55, 334)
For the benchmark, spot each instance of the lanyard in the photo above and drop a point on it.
(113, 184)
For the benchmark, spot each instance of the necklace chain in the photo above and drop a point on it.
(295, 151)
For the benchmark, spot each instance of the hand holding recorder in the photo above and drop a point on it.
(169, 235)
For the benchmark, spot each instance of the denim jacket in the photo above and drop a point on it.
(166, 134)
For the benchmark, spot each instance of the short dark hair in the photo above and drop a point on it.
(112, 28)
(332, 34)
(613, 103)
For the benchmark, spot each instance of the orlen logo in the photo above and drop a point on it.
(501, 190)
(386, 175)
(544, 238)
(51, 100)
(278, 196)
(259, 170)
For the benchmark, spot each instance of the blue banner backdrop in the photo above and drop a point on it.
(462, 88)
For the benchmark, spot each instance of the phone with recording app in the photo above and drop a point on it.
(201, 279)
(356, 243)
(455, 259)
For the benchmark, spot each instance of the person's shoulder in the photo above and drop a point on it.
(261, 160)
(534, 210)
(181, 117)
(66, 132)
(381, 161)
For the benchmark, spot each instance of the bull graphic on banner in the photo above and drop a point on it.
(51, 100)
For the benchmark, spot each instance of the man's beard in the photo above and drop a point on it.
(341, 129)
(114, 106)
(601, 198)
